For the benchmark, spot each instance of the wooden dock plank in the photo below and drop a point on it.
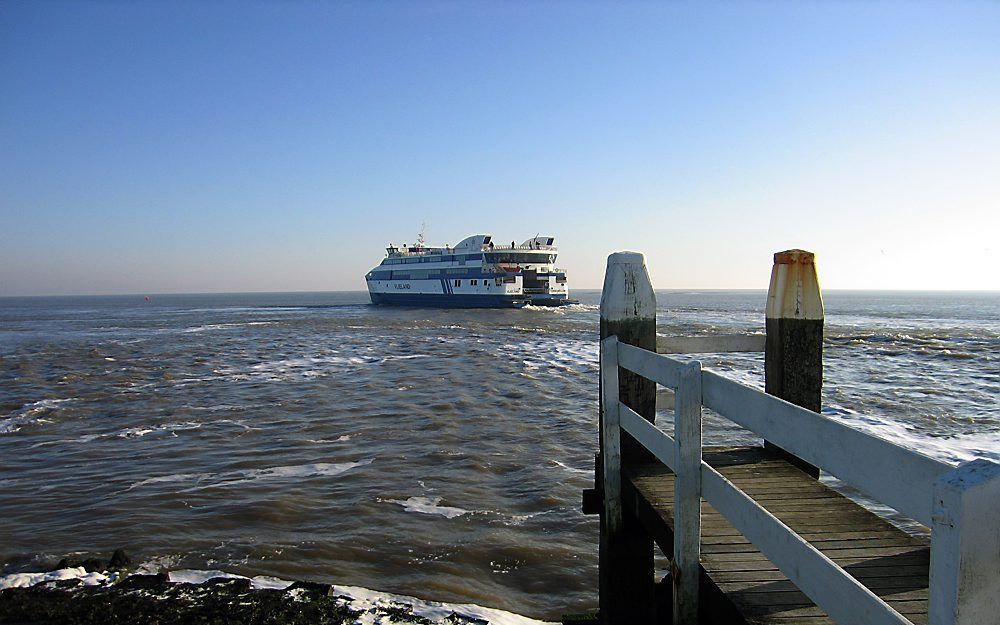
(890, 562)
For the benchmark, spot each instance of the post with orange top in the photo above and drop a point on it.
(793, 354)
(626, 574)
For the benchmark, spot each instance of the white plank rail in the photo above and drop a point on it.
(896, 476)
(844, 598)
(611, 434)
(717, 344)
(661, 369)
(848, 600)
(651, 437)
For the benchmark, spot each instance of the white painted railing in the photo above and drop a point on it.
(961, 504)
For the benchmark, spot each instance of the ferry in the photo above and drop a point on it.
(476, 273)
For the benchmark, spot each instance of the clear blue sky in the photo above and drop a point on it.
(187, 147)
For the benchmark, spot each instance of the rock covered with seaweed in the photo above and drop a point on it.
(77, 596)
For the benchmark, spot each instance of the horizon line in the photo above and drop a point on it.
(675, 289)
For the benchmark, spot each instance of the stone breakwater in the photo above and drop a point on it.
(149, 599)
(77, 593)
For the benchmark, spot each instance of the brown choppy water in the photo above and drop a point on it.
(435, 453)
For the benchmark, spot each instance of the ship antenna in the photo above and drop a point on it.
(420, 237)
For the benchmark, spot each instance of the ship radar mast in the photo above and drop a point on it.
(420, 237)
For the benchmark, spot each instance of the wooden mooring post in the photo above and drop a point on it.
(793, 351)
(626, 575)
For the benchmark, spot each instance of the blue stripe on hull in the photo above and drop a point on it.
(447, 301)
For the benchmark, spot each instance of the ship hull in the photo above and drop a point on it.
(442, 300)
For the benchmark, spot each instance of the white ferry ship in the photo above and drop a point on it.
(476, 273)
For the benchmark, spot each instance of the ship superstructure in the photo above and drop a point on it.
(476, 273)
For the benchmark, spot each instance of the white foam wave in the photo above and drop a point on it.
(165, 427)
(305, 367)
(562, 310)
(521, 519)
(565, 355)
(157, 564)
(86, 438)
(375, 605)
(133, 432)
(339, 439)
(587, 472)
(372, 602)
(25, 580)
(223, 326)
(232, 478)
(291, 368)
(429, 505)
(31, 413)
(951, 449)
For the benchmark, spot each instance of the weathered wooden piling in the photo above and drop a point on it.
(626, 576)
(793, 353)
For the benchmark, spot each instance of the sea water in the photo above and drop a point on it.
(432, 453)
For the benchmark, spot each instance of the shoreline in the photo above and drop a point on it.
(76, 596)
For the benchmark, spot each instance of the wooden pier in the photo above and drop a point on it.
(752, 536)
(741, 584)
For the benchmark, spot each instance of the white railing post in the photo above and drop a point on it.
(687, 495)
(611, 436)
(965, 546)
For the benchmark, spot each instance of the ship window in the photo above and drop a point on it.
(475, 282)
(458, 283)
(510, 280)
(533, 258)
